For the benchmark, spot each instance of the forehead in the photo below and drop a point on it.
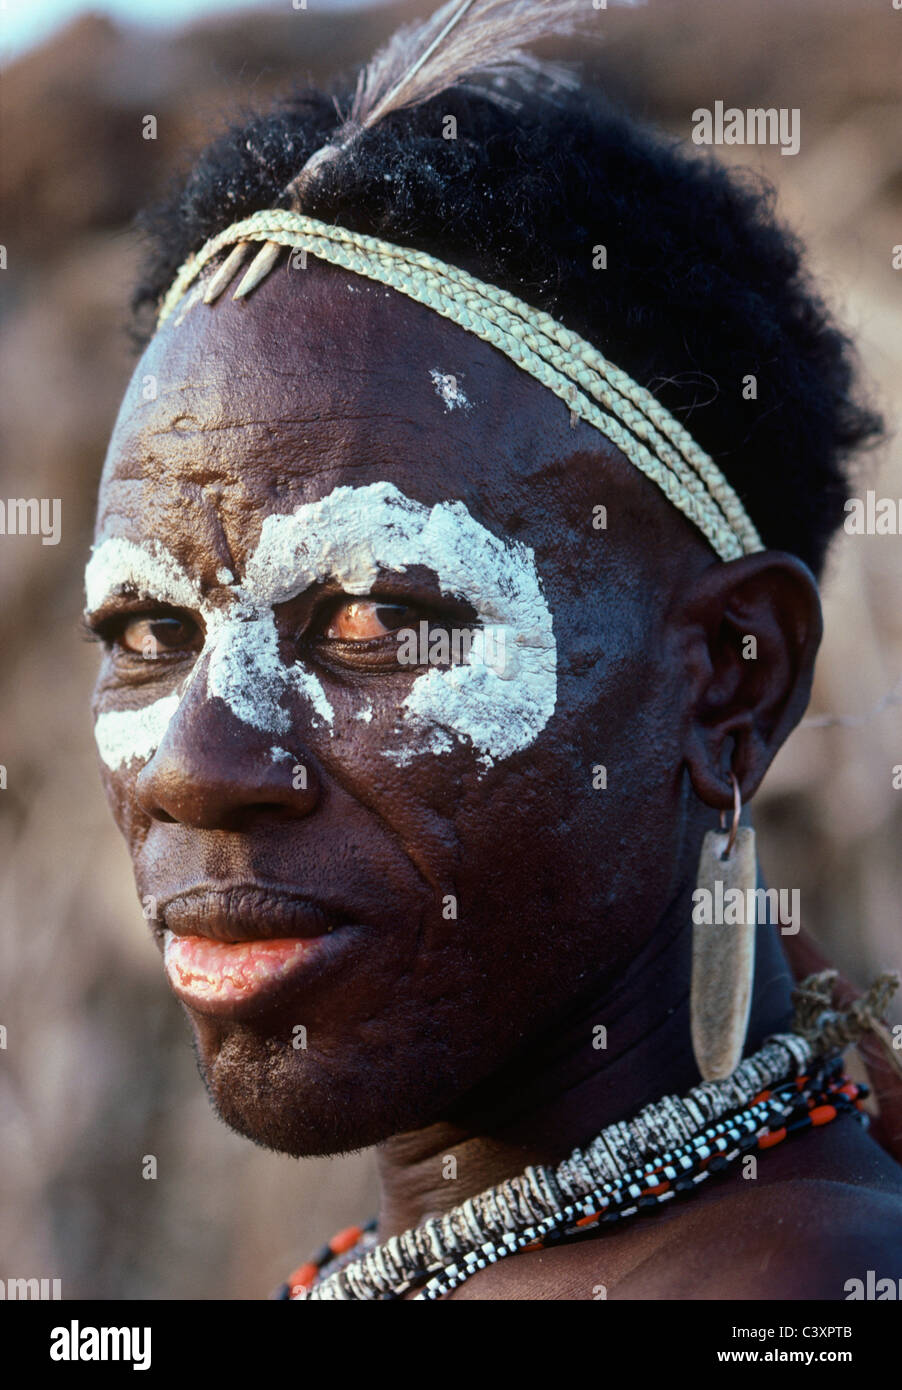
(322, 379)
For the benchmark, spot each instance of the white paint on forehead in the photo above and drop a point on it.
(348, 537)
(453, 395)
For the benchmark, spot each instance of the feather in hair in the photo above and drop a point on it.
(480, 36)
(482, 39)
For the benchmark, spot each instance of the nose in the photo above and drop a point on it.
(213, 772)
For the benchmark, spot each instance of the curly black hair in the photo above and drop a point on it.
(702, 286)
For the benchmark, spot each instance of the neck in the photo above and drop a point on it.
(560, 1090)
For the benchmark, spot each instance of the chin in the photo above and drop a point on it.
(306, 1105)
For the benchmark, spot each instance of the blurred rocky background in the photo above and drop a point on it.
(98, 1069)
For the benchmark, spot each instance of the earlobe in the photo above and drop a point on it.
(751, 630)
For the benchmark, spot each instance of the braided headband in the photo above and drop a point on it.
(591, 387)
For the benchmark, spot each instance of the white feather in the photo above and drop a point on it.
(464, 39)
(459, 40)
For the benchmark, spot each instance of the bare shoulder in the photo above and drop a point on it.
(800, 1238)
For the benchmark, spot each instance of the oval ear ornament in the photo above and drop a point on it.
(723, 953)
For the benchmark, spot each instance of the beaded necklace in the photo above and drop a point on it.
(668, 1150)
(795, 1082)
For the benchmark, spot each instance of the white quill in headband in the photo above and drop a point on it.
(464, 39)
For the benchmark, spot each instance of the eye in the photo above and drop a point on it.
(362, 620)
(151, 634)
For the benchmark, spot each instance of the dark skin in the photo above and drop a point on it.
(470, 1038)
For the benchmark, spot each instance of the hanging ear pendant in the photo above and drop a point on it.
(723, 954)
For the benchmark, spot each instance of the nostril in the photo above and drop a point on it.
(191, 780)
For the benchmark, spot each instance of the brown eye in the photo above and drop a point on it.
(150, 636)
(360, 620)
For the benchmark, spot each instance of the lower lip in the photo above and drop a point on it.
(219, 977)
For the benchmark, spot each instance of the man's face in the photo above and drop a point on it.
(376, 870)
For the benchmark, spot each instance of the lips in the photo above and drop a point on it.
(247, 912)
(236, 950)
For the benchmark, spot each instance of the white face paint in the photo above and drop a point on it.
(241, 649)
(133, 733)
(446, 386)
(348, 537)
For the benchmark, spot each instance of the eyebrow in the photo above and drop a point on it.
(119, 566)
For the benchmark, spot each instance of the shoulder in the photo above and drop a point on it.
(802, 1238)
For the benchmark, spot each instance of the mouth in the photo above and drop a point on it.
(236, 951)
(247, 912)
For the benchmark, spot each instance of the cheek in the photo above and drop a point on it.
(504, 842)
(118, 775)
(119, 788)
(552, 857)
(414, 799)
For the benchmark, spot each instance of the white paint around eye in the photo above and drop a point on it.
(353, 533)
(446, 386)
(240, 656)
(245, 670)
(348, 537)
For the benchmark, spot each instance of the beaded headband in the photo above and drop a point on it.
(464, 40)
(591, 386)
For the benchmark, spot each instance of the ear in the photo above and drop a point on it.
(750, 631)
